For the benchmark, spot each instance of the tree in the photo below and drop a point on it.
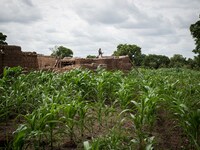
(140, 60)
(156, 61)
(191, 63)
(62, 52)
(195, 31)
(3, 39)
(91, 56)
(177, 61)
(133, 51)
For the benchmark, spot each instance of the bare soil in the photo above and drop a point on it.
(168, 135)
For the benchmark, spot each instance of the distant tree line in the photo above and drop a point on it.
(152, 60)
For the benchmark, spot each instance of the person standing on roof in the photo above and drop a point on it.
(100, 53)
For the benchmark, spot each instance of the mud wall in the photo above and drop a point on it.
(108, 62)
(29, 60)
(46, 61)
(115, 63)
(111, 62)
(12, 56)
(124, 63)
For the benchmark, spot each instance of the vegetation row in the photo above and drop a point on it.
(90, 110)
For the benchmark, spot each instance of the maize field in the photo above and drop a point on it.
(100, 110)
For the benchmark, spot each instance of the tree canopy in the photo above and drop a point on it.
(91, 56)
(156, 61)
(62, 52)
(177, 61)
(195, 31)
(133, 51)
(3, 39)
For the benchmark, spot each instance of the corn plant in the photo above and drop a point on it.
(127, 91)
(10, 73)
(69, 118)
(115, 140)
(65, 104)
(188, 118)
(181, 96)
(82, 114)
(144, 117)
(7, 102)
(38, 126)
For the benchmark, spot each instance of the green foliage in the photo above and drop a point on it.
(195, 31)
(156, 61)
(133, 51)
(177, 61)
(91, 56)
(71, 105)
(191, 64)
(39, 126)
(115, 140)
(181, 97)
(13, 72)
(62, 52)
(3, 39)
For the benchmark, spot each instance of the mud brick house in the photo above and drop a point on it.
(107, 62)
(11, 56)
(46, 61)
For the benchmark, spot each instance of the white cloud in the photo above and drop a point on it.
(160, 27)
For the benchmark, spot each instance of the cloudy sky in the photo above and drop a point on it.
(157, 26)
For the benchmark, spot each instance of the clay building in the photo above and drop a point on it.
(107, 62)
(11, 56)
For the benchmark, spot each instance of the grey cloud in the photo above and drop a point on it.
(143, 22)
(109, 12)
(28, 2)
(82, 33)
(149, 26)
(176, 4)
(19, 12)
(93, 34)
(51, 30)
(104, 16)
(186, 21)
(162, 31)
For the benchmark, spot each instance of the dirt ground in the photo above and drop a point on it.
(168, 135)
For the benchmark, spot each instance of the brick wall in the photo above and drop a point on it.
(29, 60)
(111, 62)
(46, 61)
(13, 56)
(79, 61)
(114, 63)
